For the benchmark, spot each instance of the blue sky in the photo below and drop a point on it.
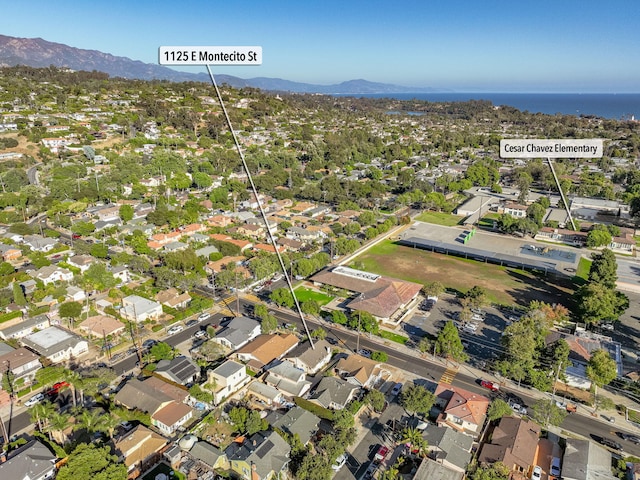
(465, 45)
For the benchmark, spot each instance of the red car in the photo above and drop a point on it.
(57, 387)
(381, 454)
(494, 387)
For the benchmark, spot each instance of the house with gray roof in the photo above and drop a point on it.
(290, 380)
(32, 461)
(208, 454)
(240, 331)
(139, 309)
(584, 460)
(25, 327)
(261, 457)
(297, 421)
(310, 360)
(432, 470)
(334, 393)
(181, 370)
(449, 447)
(56, 344)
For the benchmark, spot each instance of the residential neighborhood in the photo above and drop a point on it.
(395, 301)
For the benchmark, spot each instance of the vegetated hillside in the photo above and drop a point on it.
(36, 52)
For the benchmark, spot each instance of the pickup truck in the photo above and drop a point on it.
(381, 454)
(569, 407)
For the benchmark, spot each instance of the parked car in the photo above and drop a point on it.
(631, 438)
(203, 316)
(518, 408)
(470, 327)
(55, 389)
(364, 352)
(537, 473)
(200, 334)
(191, 323)
(340, 461)
(37, 398)
(494, 387)
(555, 467)
(148, 343)
(396, 389)
(381, 454)
(607, 442)
(175, 329)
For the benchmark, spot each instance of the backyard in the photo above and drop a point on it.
(504, 285)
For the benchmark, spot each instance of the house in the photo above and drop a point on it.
(52, 273)
(227, 378)
(460, 409)
(432, 470)
(101, 326)
(388, 299)
(22, 363)
(9, 253)
(139, 449)
(75, 294)
(181, 370)
(514, 442)
(173, 299)
(334, 393)
(265, 394)
(165, 403)
(449, 447)
(38, 243)
(265, 349)
(297, 421)
(261, 457)
(210, 455)
(287, 379)
(25, 327)
(56, 344)
(514, 209)
(121, 273)
(139, 309)
(559, 235)
(310, 360)
(585, 460)
(240, 331)
(32, 461)
(81, 262)
(360, 371)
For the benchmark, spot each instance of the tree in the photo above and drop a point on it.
(18, 294)
(379, 356)
(413, 437)
(598, 303)
(126, 213)
(598, 238)
(433, 289)
(449, 345)
(70, 310)
(375, 398)
(239, 416)
(162, 351)
(545, 412)
(282, 296)
(416, 399)
(312, 307)
(495, 471)
(604, 268)
(94, 462)
(498, 409)
(601, 370)
(41, 414)
(339, 317)
(269, 324)
(97, 277)
(255, 423)
(319, 333)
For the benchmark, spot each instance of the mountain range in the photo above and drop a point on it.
(36, 52)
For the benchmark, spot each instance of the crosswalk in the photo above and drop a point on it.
(448, 375)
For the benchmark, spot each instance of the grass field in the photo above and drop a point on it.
(304, 294)
(439, 218)
(503, 285)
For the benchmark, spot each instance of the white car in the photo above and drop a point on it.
(33, 400)
(175, 329)
(470, 327)
(340, 461)
(203, 316)
(537, 473)
(200, 334)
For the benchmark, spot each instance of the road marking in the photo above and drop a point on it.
(448, 375)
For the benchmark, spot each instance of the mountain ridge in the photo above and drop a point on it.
(37, 52)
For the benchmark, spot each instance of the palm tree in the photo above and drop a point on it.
(414, 438)
(108, 424)
(41, 414)
(58, 423)
(89, 420)
(72, 378)
(391, 473)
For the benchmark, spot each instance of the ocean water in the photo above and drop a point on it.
(607, 105)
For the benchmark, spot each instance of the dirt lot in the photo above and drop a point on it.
(504, 285)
